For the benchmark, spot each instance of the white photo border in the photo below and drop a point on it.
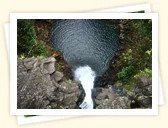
(13, 64)
(146, 7)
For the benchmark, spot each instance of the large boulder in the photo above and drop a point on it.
(40, 86)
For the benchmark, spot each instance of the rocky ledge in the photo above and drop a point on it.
(107, 98)
(40, 86)
(115, 97)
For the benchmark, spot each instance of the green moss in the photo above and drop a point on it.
(128, 87)
(58, 67)
(146, 72)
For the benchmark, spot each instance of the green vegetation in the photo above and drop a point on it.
(135, 58)
(27, 42)
(40, 49)
(125, 73)
(58, 66)
(143, 27)
(133, 61)
(33, 41)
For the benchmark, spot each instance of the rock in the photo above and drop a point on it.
(149, 89)
(29, 63)
(106, 98)
(145, 101)
(48, 65)
(144, 81)
(121, 103)
(41, 86)
(38, 87)
(57, 76)
(142, 92)
(67, 94)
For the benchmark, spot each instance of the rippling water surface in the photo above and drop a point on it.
(85, 42)
(88, 46)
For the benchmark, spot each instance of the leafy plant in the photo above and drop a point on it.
(40, 49)
(27, 42)
(127, 56)
(144, 27)
(26, 36)
(125, 73)
(146, 72)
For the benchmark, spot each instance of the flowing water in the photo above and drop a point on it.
(88, 46)
(86, 76)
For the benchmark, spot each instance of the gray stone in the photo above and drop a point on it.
(57, 76)
(38, 88)
(142, 92)
(48, 65)
(149, 89)
(106, 98)
(145, 81)
(29, 63)
(145, 101)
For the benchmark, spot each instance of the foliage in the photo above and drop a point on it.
(26, 36)
(125, 73)
(135, 58)
(143, 27)
(127, 56)
(40, 50)
(146, 72)
(27, 42)
(21, 57)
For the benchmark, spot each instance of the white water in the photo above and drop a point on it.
(86, 76)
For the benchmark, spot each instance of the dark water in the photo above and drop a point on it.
(85, 42)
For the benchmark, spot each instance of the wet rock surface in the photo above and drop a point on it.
(40, 86)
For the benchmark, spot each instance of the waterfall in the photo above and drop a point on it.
(85, 75)
(88, 46)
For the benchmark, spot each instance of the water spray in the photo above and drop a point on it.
(86, 76)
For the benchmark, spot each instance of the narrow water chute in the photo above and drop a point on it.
(86, 76)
